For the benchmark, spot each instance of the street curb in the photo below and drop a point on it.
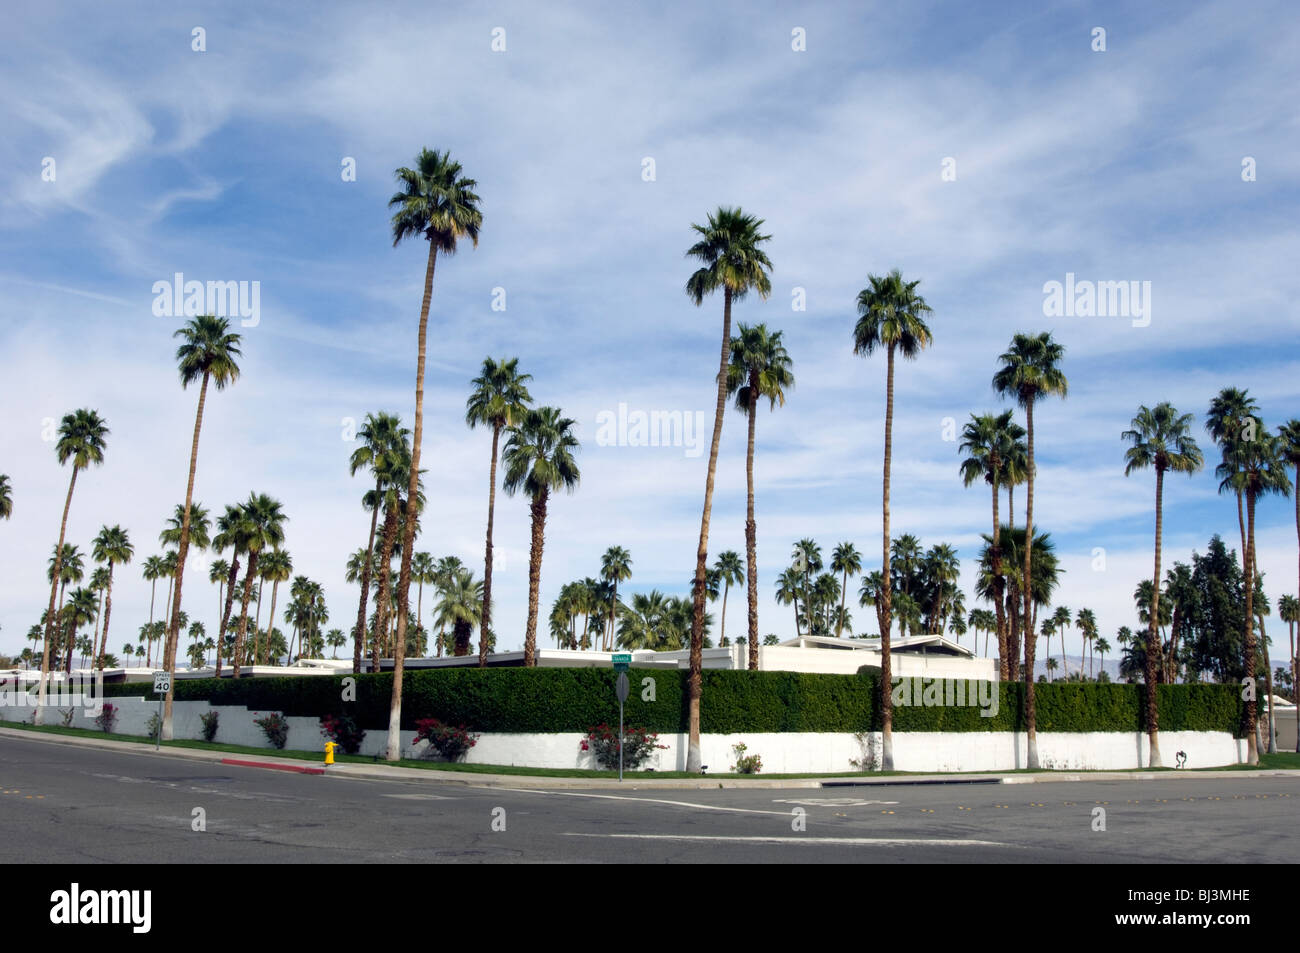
(378, 772)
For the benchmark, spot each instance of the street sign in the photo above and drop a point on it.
(622, 661)
(162, 683)
(620, 687)
(620, 690)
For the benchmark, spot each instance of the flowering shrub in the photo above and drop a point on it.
(344, 730)
(746, 763)
(638, 745)
(107, 718)
(153, 727)
(209, 720)
(276, 728)
(450, 742)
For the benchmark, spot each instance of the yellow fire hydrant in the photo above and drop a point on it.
(329, 751)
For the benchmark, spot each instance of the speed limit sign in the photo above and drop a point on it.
(162, 683)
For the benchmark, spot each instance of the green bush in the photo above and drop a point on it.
(574, 699)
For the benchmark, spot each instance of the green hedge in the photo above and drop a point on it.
(574, 699)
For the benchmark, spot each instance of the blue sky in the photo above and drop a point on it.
(1122, 165)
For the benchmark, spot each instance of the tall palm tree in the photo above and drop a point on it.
(209, 352)
(438, 204)
(1030, 371)
(499, 398)
(1288, 610)
(847, 561)
(423, 569)
(80, 611)
(6, 498)
(539, 459)
(990, 443)
(1289, 447)
(263, 522)
(72, 568)
(232, 534)
(892, 317)
(1063, 619)
(807, 557)
(198, 536)
(1253, 462)
(383, 444)
(731, 261)
(395, 482)
(729, 571)
(787, 592)
(760, 367)
(111, 546)
(1086, 622)
(99, 584)
(615, 567)
(276, 567)
(1160, 438)
(460, 608)
(82, 436)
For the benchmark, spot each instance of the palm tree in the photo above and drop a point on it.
(1254, 464)
(438, 204)
(1102, 648)
(1160, 438)
(847, 561)
(499, 398)
(760, 367)
(383, 440)
(1048, 630)
(423, 569)
(729, 571)
(80, 611)
(615, 567)
(263, 523)
(6, 497)
(200, 525)
(232, 534)
(1086, 622)
(1231, 412)
(891, 316)
(787, 592)
(539, 459)
(460, 608)
(731, 261)
(71, 570)
(990, 442)
(276, 567)
(111, 546)
(1063, 619)
(99, 585)
(1289, 439)
(335, 639)
(209, 352)
(1030, 370)
(82, 436)
(1288, 610)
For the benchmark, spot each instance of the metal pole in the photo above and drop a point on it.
(157, 738)
(620, 739)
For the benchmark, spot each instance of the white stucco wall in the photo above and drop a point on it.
(794, 752)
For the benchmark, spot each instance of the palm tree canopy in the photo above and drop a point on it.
(759, 367)
(436, 203)
(730, 256)
(1161, 438)
(539, 455)
(730, 570)
(210, 349)
(112, 545)
(995, 446)
(200, 527)
(616, 564)
(82, 436)
(71, 563)
(500, 394)
(263, 523)
(891, 315)
(1030, 369)
(461, 600)
(6, 497)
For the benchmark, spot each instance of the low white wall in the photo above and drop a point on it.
(782, 753)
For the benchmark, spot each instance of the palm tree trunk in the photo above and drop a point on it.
(538, 508)
(1027, 585)
(108, 613)
(886, 593)
(384, 598)
(50, 628)
(998, 586)
(99, 618)
(221, 639)
(394, 751)
(238, 661)
(359, 633)
(726, 589)
(751, 534)
(695, 681)
(1153, 638)
(486, 621)
(1252, 713)
(182, 552)
(1268, 683)
(275, 586)
(257, 625)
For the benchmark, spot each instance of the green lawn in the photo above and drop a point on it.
(1283, 760)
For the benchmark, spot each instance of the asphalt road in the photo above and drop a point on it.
(65, 804)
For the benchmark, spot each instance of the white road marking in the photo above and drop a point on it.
(830, 801)
(648, 800)
(840, 841)
(419, 797)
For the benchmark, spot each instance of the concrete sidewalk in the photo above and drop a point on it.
(385, 772)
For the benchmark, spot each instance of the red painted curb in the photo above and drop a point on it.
(274, 767)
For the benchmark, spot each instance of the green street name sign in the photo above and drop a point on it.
(622, 661)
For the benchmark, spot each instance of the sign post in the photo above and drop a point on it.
(162, 684)
(621, 662)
